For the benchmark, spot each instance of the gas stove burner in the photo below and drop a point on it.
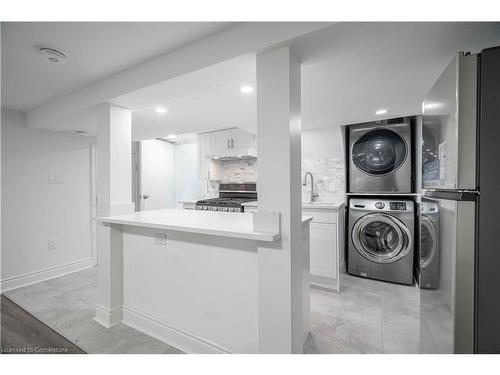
(231, 198)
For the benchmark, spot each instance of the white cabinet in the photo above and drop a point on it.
(326, 245)
(327, 261)
(323, 244)
(221, 141)
(241, 139)
(208, 169)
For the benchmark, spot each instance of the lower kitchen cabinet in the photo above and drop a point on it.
(327, 260)
(326, 243)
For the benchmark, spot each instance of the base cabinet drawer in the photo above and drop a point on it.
(323, 249)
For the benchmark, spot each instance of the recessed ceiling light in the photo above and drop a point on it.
(171, 136)
(246, 89)
(381, 112)
(161, 109)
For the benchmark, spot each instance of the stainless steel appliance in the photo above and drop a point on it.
(231, 197)
(381, 157)
(381, 238)
(428, 271)
(460, 174)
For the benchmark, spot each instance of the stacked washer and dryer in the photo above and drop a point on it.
(381, 196)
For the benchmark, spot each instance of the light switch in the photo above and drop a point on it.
(52, 244)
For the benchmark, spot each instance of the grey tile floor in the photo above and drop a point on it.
(67, 304)
(368, 316)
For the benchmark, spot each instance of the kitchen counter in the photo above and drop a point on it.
(190, 201)
(224, 224)
(322, 205)
(235, 225)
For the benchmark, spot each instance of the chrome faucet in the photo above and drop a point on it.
(314, 196)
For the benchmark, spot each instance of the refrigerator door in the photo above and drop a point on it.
(488, 254)
(449, 127)
(447, 273)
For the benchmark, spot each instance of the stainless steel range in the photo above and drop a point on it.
(231, 197)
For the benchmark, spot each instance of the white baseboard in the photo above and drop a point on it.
(42, 275)
(176, 337)
(108, 318)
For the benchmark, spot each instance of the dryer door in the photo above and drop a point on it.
(381, 238)
(379, 152)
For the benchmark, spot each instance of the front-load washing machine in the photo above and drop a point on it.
(429, 245)
(380, 159)
(381, 236)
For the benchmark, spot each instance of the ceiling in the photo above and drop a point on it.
(204, 100)
(350, 70)
(95, 51)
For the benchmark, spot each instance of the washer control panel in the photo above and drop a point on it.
(359, 204)
(397, 206)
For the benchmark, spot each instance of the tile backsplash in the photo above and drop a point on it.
(328, 173)
(329, 179)
(244, 170)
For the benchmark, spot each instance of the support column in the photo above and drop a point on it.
(281, 276)
(114, 195)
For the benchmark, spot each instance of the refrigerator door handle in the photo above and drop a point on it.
(454, 195)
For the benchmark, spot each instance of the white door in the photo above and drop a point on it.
(323, 245)
(157, 175)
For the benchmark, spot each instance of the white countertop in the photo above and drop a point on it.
(225, 224)
(321, 205)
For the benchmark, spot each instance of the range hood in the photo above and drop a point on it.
(236, 154)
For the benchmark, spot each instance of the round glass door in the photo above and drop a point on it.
(381, 238)
(379, 152)
(427, 242)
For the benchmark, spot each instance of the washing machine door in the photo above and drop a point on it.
(381, 238)
(428, 245)
(379, 152)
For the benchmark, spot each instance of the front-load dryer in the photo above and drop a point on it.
(429, 245)
(380, 159)
(381, 236)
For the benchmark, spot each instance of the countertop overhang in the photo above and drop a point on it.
(305, 205)
(224, 224)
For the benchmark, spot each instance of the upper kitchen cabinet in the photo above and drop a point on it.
(208, 169)
(232, 144)
(228, 144)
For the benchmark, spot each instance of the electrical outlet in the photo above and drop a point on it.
(56, 178)
(52, 244)
(161, 239)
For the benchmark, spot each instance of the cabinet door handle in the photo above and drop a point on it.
(228, 143)
(232, 143)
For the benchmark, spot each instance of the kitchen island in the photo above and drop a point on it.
(190, 278)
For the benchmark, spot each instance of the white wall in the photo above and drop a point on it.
(157, 174)
(187, 185)
(323, 155)
(34, 211)
(322, 143)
